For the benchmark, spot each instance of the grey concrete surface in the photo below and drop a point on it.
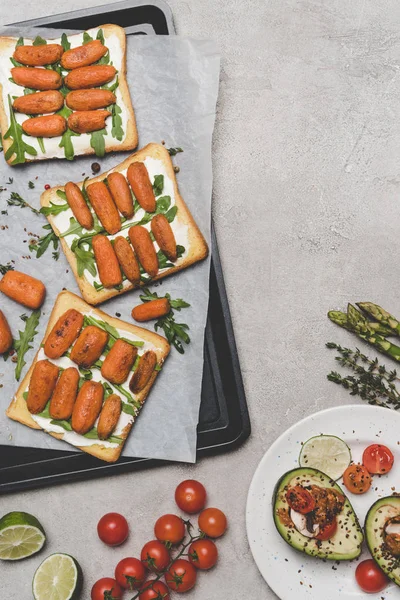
(306, 209)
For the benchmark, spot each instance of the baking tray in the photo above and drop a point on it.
(224, 422)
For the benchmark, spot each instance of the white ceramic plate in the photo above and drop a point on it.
(294, 575)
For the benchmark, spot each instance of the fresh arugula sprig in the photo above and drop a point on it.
(26, 337)
(176, 333)
(372, 382)
(40, 246)
(18, 146)
(16, 200)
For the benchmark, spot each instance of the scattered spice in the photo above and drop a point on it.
(96, 167)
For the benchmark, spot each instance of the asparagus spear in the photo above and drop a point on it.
(340, 318)
(381, 315)
(359, 325)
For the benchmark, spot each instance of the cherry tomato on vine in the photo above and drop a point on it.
(170, 528)
(113, 529)
(130, 573)
(370, 577)
(155, 556)
(106, 588)
(157, 591)
(300, 499)
(203, 554)
(181, 576)
(191, 496)
(212, 522)
(357, 479)
(327, 532)
(378, 459)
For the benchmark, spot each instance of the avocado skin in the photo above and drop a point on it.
(369, 528)
(302, 544)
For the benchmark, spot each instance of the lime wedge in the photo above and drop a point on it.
(59, 577)
(21, 535)
(327, 453)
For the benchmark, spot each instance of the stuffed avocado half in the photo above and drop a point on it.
(314, 516)
(382, 532)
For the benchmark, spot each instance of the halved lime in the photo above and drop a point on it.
(21, 535)
(59, 577)
(327, 453)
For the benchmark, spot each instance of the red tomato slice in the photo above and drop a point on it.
(357, 479)
(328, 531)
(378, 459)
(300, 499)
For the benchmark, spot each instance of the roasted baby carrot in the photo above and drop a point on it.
(89, 346)
(24, 289)
(47, 127)
(63, 334)
(140, 183)
(143, 372)
(104, 207)
(78, 205)
(41, 386)
(127, 259)
(85, 121)
(118, 362)
(64, 396)
(88, 77)
(82, 56)
(109, 416)
(6, 339)
(151, 310)
(107, 262)
(87, 406)
(36, 79)
(89, 99)
(164, 236)
(38, 56)
(39, 103)
(121, 194)
(145, 251)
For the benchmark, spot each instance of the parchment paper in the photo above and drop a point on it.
(174, 86)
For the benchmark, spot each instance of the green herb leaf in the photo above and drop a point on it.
(66, 141)
(64, 424)
(74, 228)
(85, 260)
(171, 214)
(129, 409)
(54, 209)
(61, 194)
(45, 412)
(23, 343)
(86, 38)
(100, 36)
(163, 204)
(31, 185)
(39, 41)
(174, 151)
(18, 147)
(40, 247)
(16, 200)
(116, 130)
(5, 268)
(64, 42)
(112, 87)
(158, 184)
(97, 142)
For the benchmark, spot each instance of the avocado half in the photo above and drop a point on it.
(344, 545)
(379, 513)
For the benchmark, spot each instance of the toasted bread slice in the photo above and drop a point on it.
(107, 451)
(115, 40)
(183, 225)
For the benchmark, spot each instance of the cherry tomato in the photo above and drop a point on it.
(170, 528)
(102, 586)
(158, 590)
(357, 479)
(203, 554)
(370, 577)
(113, 529)
(300, 499)
(181, 576)
(130, 573)
(155, 556)
(191, 496)
(378, 459)
(325, 533)
(212, 522)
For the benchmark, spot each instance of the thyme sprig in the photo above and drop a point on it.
(372, 381)
(16, 200)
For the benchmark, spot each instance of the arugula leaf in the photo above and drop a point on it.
(18, 146)
(66, 141)
(39, 41)
(16, 200)
(29, 91)
(127, 395)
(23, 344)
(98, 143)
(64, 424)
(163, 204)
(86, 38)
(100, 36)
(158, 184)
(93, 435)
(44, 242)
(61, 194)
(116, 130)
(171, 214)
(40, 141)
(64, 42)
(84, 258)
(74, 228)
(129, 409)
(20, 42)
(112, 87)
(54, 209)
(174, 151)
(45, 412)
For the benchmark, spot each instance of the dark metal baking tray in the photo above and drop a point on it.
(224, 422)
